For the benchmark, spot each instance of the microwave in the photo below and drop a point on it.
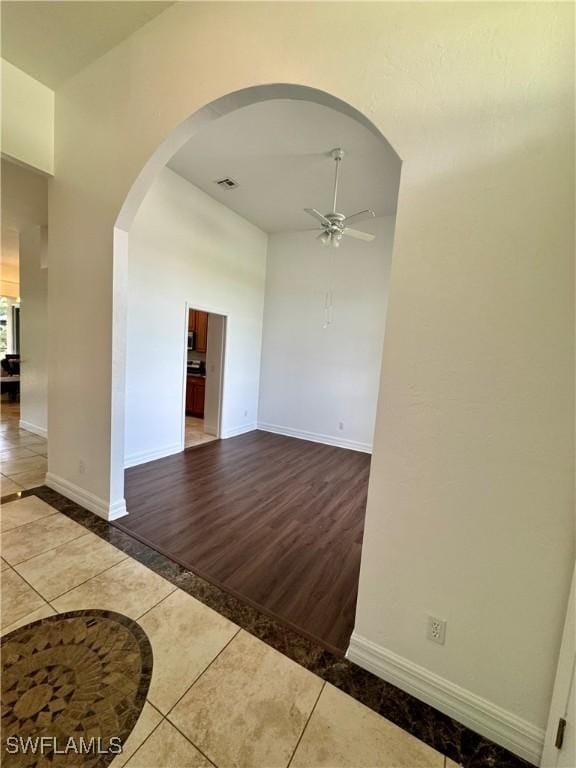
(195, 366)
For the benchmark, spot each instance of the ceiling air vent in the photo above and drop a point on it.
(227, 183)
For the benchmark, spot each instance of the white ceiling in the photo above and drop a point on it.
(277, 151)
(53, 40)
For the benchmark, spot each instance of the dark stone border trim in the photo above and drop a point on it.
(429, 725)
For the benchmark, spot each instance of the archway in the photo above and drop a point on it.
(180, 136)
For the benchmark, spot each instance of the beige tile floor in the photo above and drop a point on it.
(218, 696)
(194, 432)
(23, 455)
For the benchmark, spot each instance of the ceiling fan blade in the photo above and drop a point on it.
(360, 216)
(359, 235)
(317, 215)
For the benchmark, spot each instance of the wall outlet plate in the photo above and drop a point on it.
(436, 630)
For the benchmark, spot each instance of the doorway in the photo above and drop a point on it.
(203, 376)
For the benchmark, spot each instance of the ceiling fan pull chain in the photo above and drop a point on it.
(329, 296)
(327, 310)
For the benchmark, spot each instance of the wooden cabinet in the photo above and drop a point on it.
(195, 392)
(201, 331)
(198, 322)
(189, 396)
(199, 390)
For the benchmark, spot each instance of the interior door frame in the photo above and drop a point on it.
(188, 305)
(562, 685)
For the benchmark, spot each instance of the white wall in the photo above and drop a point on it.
(315, 377)
(24, 219)
(24, 197)
(186, 247)
(33, 325)
(471, 508)
(24, 202)
(27, 119)
(215, 350)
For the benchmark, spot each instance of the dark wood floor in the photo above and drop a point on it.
(275, 520)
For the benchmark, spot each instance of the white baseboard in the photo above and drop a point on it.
(100, 507)
(241, 430)
(480, 715)
(134, 459)
(29, 427)
(315, 437)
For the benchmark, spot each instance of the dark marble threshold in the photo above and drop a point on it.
(412, 715)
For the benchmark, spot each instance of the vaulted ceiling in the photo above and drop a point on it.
(52, 41)
(278, 153)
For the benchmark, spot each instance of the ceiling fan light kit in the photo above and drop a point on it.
(334, 225)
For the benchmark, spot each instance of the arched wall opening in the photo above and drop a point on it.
(240, 258)
(460, 458)
(165, 152)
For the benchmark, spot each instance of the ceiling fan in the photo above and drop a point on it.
(335, 225)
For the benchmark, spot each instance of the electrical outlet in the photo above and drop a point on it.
(81, 467)
(436, 630)
(245, 414)
(341, 426)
